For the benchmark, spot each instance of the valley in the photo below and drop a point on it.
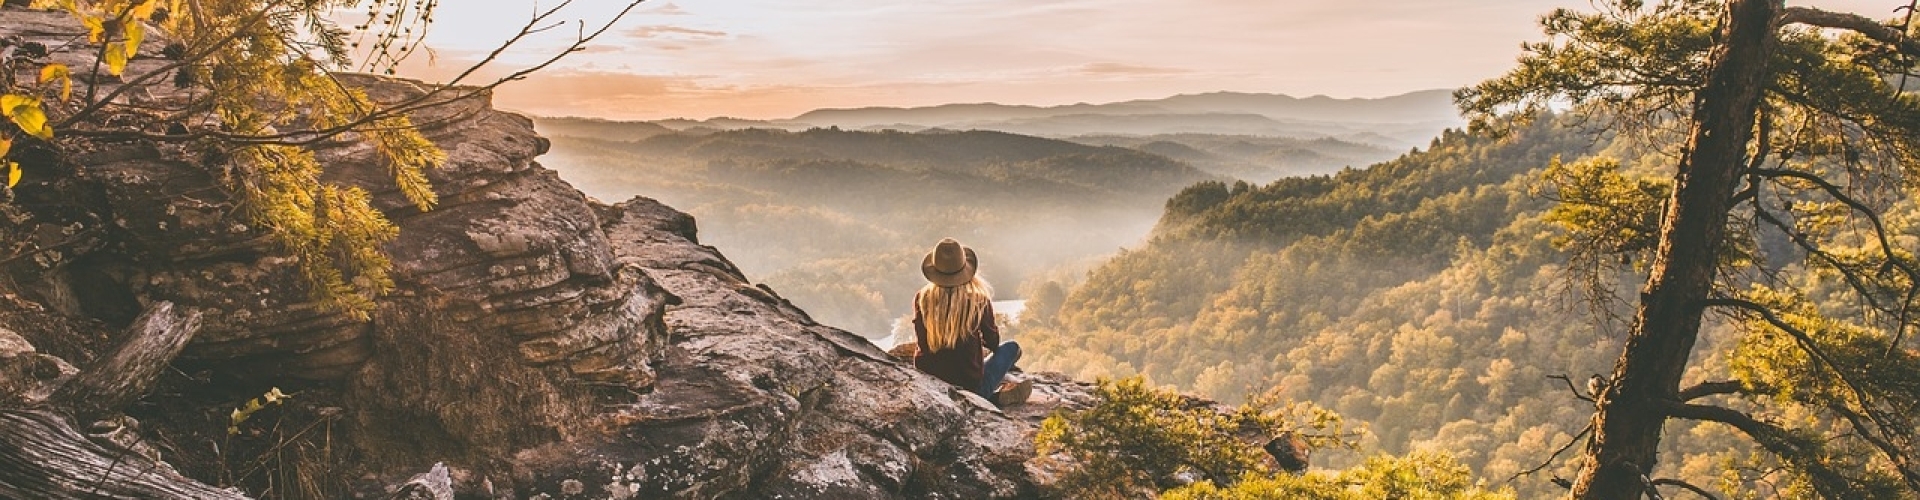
(835, 212)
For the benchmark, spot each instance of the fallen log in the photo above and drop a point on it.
(42, 456)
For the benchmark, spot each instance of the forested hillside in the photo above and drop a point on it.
(1250, 157)
(838, 220)
(1422, 296)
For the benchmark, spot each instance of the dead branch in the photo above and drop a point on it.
(1705, 389)
(1591, 398)
(1871, 430)
(118, 379)
(1686, 486)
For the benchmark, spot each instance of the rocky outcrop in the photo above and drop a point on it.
(755, 399)
(537, 342)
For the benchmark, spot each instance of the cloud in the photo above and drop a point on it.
(660, 31)
(637, 96)
(778, 58)
(668, 9)
(1123, 69)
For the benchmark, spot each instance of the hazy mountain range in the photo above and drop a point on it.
(1394, 123)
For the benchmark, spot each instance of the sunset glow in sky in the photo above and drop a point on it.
(779, 58)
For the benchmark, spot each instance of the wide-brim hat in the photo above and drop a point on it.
(949, 264)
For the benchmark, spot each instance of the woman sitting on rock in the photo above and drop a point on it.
(953, 325)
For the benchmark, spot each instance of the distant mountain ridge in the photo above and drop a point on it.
(1394, 122)
(1413, 107)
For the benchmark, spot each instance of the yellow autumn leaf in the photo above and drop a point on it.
(144, 10)
(25, 112)
(136, 32)
(10, 101)
(13, 173)
(96, 26)
(5, 145)
(57, 71)
(117, 58)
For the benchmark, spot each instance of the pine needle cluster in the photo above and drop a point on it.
(260, 76)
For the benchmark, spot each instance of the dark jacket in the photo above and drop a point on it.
(962, 365)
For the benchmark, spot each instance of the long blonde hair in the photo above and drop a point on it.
(952, 311)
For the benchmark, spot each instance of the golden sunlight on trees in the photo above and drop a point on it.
(1792, 149)
(1140, 441)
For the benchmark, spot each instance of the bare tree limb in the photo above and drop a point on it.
(1686, 486)
(1577, 438)
(1705, 389)
(1856, 23)
(1575, 390)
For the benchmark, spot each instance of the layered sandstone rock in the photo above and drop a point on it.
(537, 342)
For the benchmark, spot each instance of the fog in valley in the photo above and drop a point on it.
(838, 219)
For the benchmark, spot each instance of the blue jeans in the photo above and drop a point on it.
(997, 367)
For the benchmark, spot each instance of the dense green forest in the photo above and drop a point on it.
(1423, 298)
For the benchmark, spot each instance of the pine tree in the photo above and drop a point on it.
(1790, 132)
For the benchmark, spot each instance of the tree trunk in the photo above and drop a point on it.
(1630, 417)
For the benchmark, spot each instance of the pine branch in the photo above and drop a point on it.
(1897, 454)
(1776, 440)
(146, 78)
(1801, 336)
(1894, 453)
(1846, 272)
(1880, 235)
(426, 100)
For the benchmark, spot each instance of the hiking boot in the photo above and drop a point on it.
(1013, 393)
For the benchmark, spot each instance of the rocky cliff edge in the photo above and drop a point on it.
(538, 342)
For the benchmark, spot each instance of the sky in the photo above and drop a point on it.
(770, 59)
